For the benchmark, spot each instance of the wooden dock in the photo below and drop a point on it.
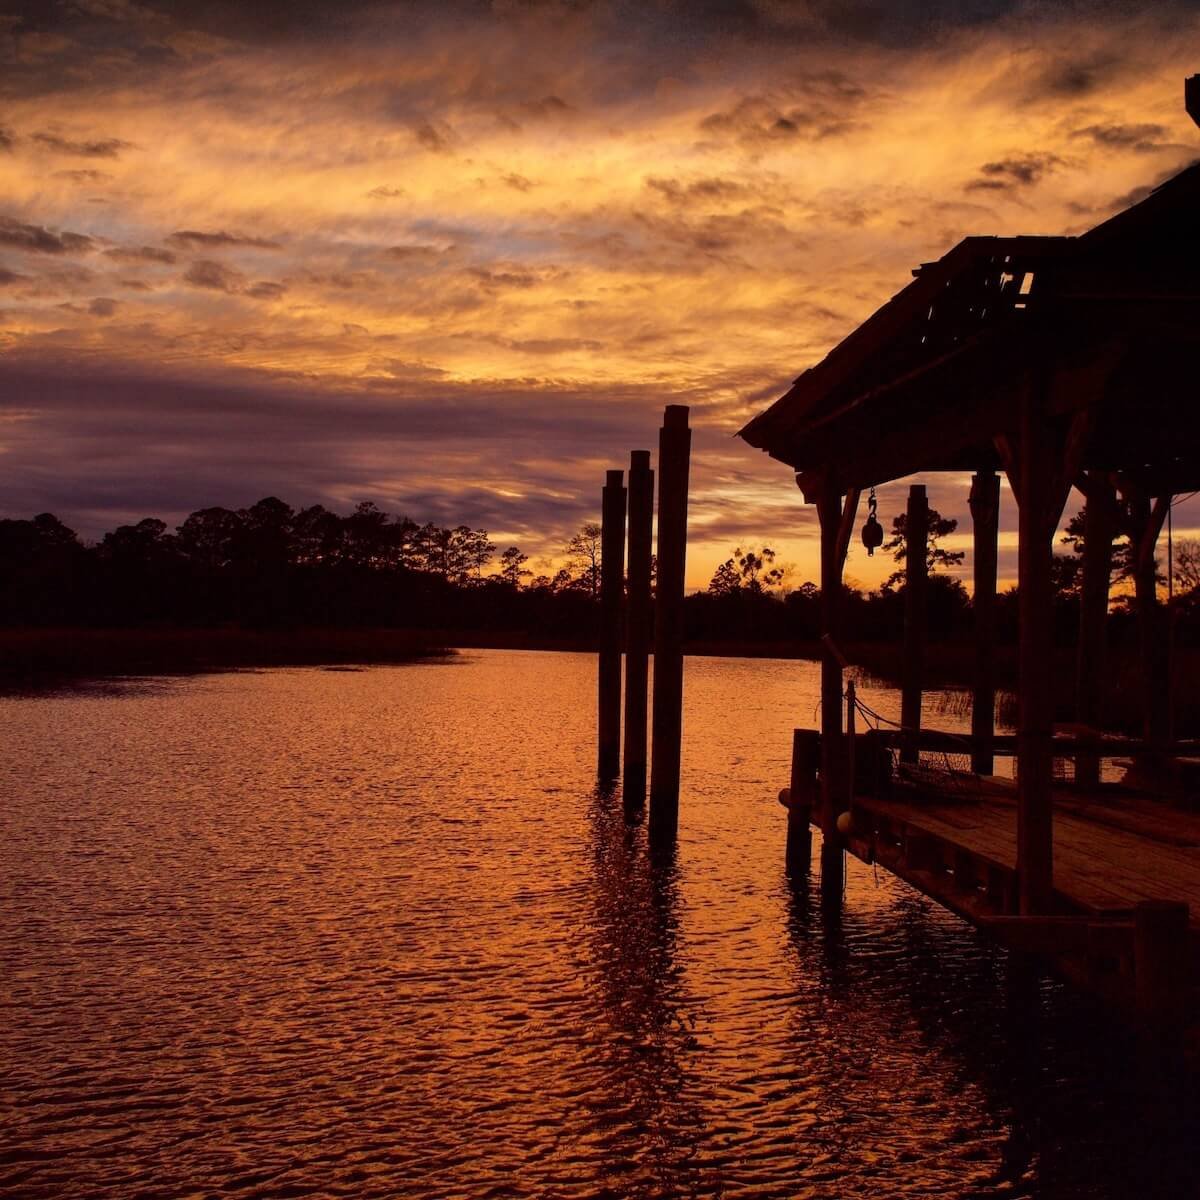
(1125, 918)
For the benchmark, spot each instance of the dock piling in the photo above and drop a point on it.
(637, 625)
(806, 757)
(916, 577)
(612, 563)
(985, 522)
(674, 452)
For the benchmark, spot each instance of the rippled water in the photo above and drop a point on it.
(374, 933)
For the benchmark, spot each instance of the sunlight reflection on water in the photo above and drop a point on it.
(376, 933)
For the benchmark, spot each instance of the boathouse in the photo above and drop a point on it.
(1061, 362)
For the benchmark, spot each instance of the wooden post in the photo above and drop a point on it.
(1145, 524)
(806, 752)
(1040, 501)
(612, 564)
(1091, 668)
(674, 451)
(916, 575)
(829, 513)
(637, 625)
(1162, 962)
(985, 523)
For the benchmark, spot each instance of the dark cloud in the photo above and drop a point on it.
(417, 253)
(812, 108)
(101, 148)
(7, 277)
(1008, 174)
(386, 193)
(39, 240)
(505, 279)
(517, 182)
(439, 138)
(189, 238)
(103, 306)
(84, 175)
(1143, 139)
(140, 254)
(7, 140)
(215, 276)
(266, 289)
(710, 190)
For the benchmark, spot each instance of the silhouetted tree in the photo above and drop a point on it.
(583, 558)
(935, 556)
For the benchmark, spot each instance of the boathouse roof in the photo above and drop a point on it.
(1107, 322)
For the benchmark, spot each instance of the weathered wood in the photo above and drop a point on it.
(1091, 676)
(985, 523)
(1040, 500)
(638, 626)
(833, 776)
(916, 579)
(1162, 962)
(674, 452)
(612, 564)
(802, 793)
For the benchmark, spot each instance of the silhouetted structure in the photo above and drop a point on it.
(638, 615)
(612, 584)
(674, 450)
(1061, 360)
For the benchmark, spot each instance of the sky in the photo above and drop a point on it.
(454, 258)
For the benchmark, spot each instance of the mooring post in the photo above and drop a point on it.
(916, 574)
(674, 452)
(985, 524)
(637, 625)
(1091, 669)
(802, 789)
(829, 513)
(612, 582)
(1162, 962)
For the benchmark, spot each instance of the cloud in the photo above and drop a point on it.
(8, 278)
(103, 306)
(385, 193)
(438, 138)
(140, 254)
(698, 191)
(84, 175)
(1142, 139)
(517, 182)
(1008, 174)
(7, 140)
(101, 148)
(266, 289)
(210, 240)
(37, 239)
(214, 276)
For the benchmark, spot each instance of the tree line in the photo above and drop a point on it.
(270, 565)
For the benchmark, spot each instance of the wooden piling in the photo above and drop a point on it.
(638, 625)
(802, 791)
(916, 576)
(985, 522)
(833, 798)
(1162, 962)
(674, 452)
(612, 564)
(1091, 669)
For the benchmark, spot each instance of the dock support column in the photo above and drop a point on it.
(806, 754)
(833, 799)
(612, 583)
(1041, 495)
(916, 576)
(637, 626)
(674, 452)
(1162, 963)
(985, 522)
(1145, 524)
(1091, 669)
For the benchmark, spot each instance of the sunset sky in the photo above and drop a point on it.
(455, 258)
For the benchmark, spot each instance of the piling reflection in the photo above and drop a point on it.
(642, 1111)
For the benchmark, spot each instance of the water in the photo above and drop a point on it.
(307, 932)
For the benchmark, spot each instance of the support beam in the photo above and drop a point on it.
(916, 579)
(1091, 670)
(1040, 498)
(637, 626)
(674, 452)
(612, 572)
(985, 521)
(833, 798)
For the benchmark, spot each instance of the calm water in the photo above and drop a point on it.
(373, 933)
